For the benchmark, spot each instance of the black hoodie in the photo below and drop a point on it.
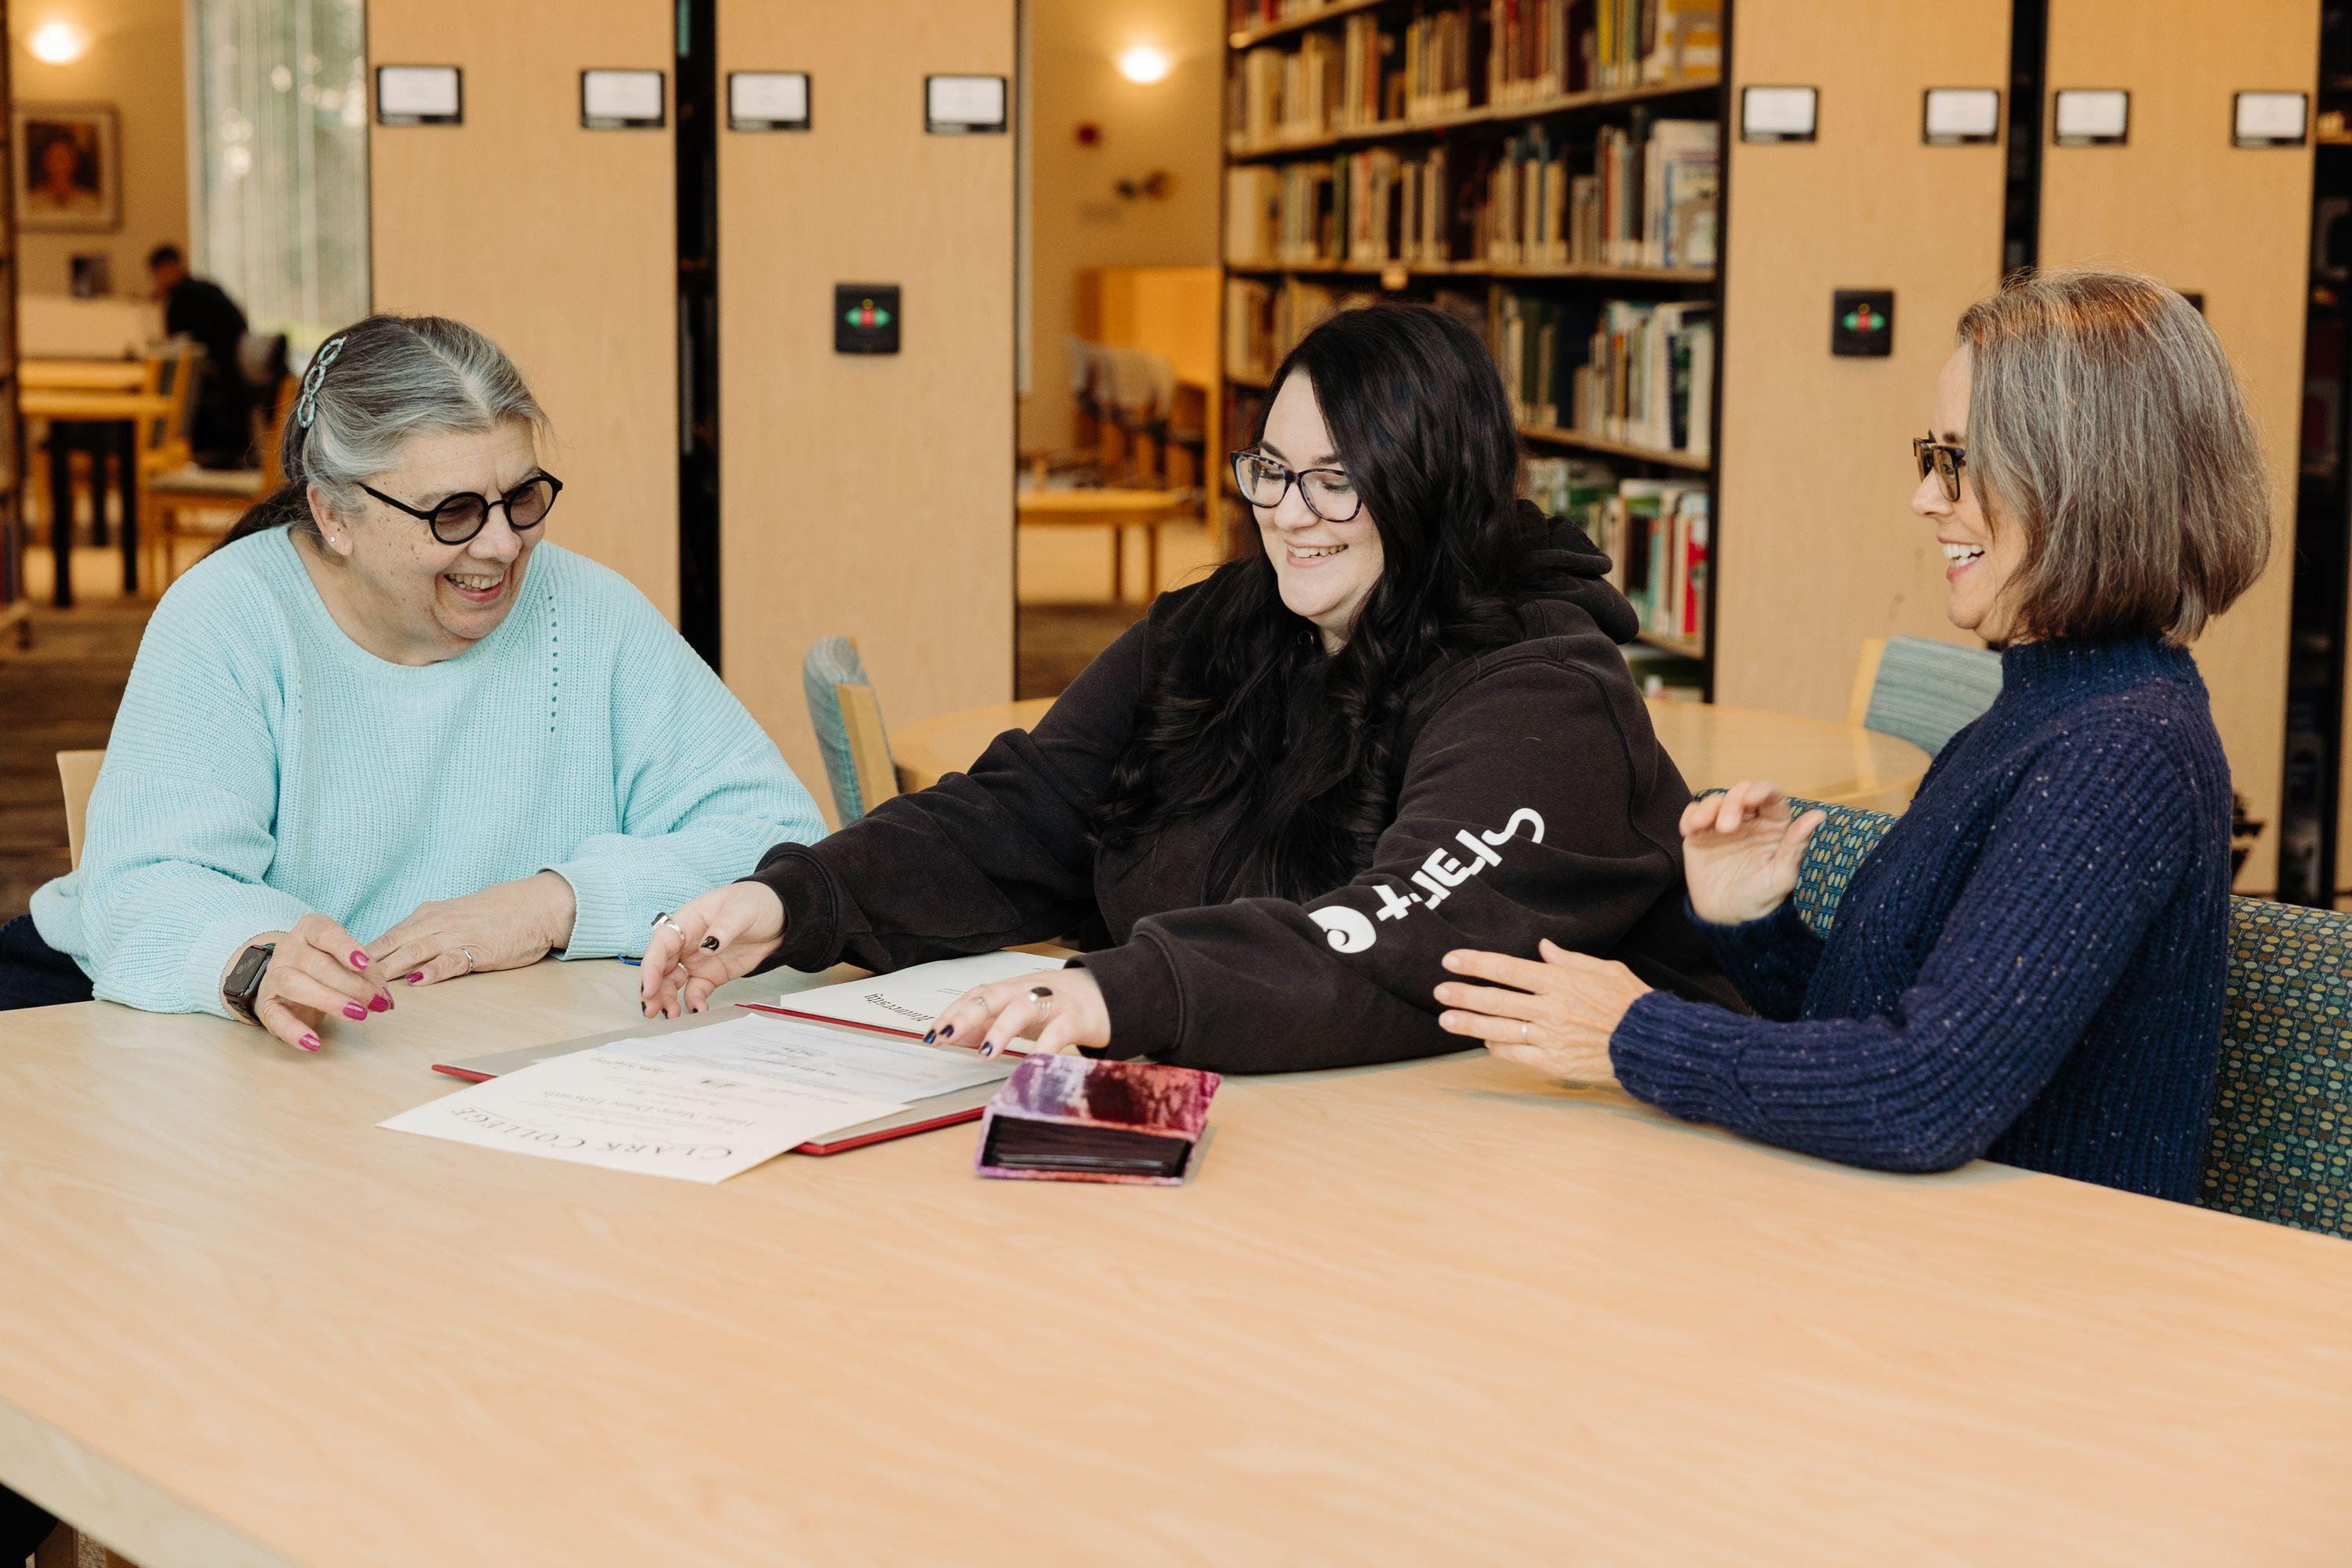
(1535, 803)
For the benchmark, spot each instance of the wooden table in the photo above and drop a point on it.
(1439, 1312)
(83, 374)
(1712, 745)
(1116, 509)
(74, 418)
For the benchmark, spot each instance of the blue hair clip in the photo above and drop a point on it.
(307, 409)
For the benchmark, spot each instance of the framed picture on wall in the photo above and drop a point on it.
(68, 168)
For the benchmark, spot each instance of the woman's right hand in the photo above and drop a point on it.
(1741, 853)
(726, 933)
(316, 970)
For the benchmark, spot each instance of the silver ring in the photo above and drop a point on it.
(469, 959)
(663, 919)
(1042, 997)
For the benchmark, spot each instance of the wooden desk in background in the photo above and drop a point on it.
(83, 374)
(1713, 745)
(119, 413)
(1116, 509)
(1435, 1313)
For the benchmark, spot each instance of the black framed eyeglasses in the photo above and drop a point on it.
(1328, 493)
(1945, 457)
(456, 519)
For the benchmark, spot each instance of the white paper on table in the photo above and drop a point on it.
(906, 1000)
(869, 1066)
(632, 1112)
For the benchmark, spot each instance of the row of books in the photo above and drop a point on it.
(1638, 374)
(1264, 320)
(1654, 533)
(1372, 73)
(1646, 199)
(1638, 196)
(1360, 77)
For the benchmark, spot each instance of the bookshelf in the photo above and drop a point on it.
(1549, 170)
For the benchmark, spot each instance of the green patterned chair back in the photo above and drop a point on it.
(832, 663)
(2280, 1146)
(1926, 692)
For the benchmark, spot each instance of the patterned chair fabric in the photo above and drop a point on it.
(1926, 692)
(2280, 1146)
(831, 662)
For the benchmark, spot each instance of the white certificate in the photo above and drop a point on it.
(692, 1121)
(870, 1066)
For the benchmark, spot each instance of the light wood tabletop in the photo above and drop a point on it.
(82, 375)
(1433, 1312)
(1115, 508)
(1713, 746)
(91, 403)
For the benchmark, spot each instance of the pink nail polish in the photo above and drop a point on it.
(358, 959)
(415, 977)
(355, 1013)
(379, 1003)
(309, 1042)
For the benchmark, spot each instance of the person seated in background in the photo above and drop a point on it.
(2029, 966)
(196, 307)
(384, 735)
(1401, 724)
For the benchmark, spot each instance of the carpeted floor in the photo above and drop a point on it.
(60, 695)
(1053, 642)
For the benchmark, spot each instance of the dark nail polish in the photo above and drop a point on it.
(931, 1038)
(379, 1003)
(355, 1013)
(946, 1031)
(710, 943)
(309, 1042)
(358, 960)
(987, 1048)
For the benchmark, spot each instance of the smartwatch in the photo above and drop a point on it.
(244, 981)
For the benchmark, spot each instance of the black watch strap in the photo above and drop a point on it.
(244, 981)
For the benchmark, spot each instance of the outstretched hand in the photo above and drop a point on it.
(1741, 852)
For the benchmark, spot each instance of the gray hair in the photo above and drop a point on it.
(369, 389)
(2105, 421)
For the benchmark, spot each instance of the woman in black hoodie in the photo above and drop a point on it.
(1401, 728)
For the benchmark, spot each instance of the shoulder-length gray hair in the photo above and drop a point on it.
(2105, 420)
(368, 389)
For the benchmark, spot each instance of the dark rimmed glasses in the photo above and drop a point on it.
(456, 519)
(1328, 493)
(1945, 457)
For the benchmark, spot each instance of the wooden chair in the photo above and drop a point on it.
(190, 502)
(2279, 1146)
(1921, 690)
(847, 718)
(78, 774)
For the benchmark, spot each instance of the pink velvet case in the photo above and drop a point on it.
(1073, 1119)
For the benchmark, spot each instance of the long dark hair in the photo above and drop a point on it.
(1249, 707)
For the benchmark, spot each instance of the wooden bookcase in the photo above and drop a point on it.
(1473, 131)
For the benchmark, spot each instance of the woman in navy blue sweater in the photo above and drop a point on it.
(2031, 965)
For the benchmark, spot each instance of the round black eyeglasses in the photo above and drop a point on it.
(1328, 493)
(456, 519)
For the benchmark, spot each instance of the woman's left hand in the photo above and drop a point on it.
(505, 926)
(1557, 1016)
(991, 1017)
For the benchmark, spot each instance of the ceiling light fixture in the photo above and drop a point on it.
(57, 43)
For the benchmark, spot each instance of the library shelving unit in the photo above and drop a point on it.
(1479, 92)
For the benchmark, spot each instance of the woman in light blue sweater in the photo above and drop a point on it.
(387, 735)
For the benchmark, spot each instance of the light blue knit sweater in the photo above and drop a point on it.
(263, 765)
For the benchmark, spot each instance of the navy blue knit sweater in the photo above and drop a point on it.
(2028, 967)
